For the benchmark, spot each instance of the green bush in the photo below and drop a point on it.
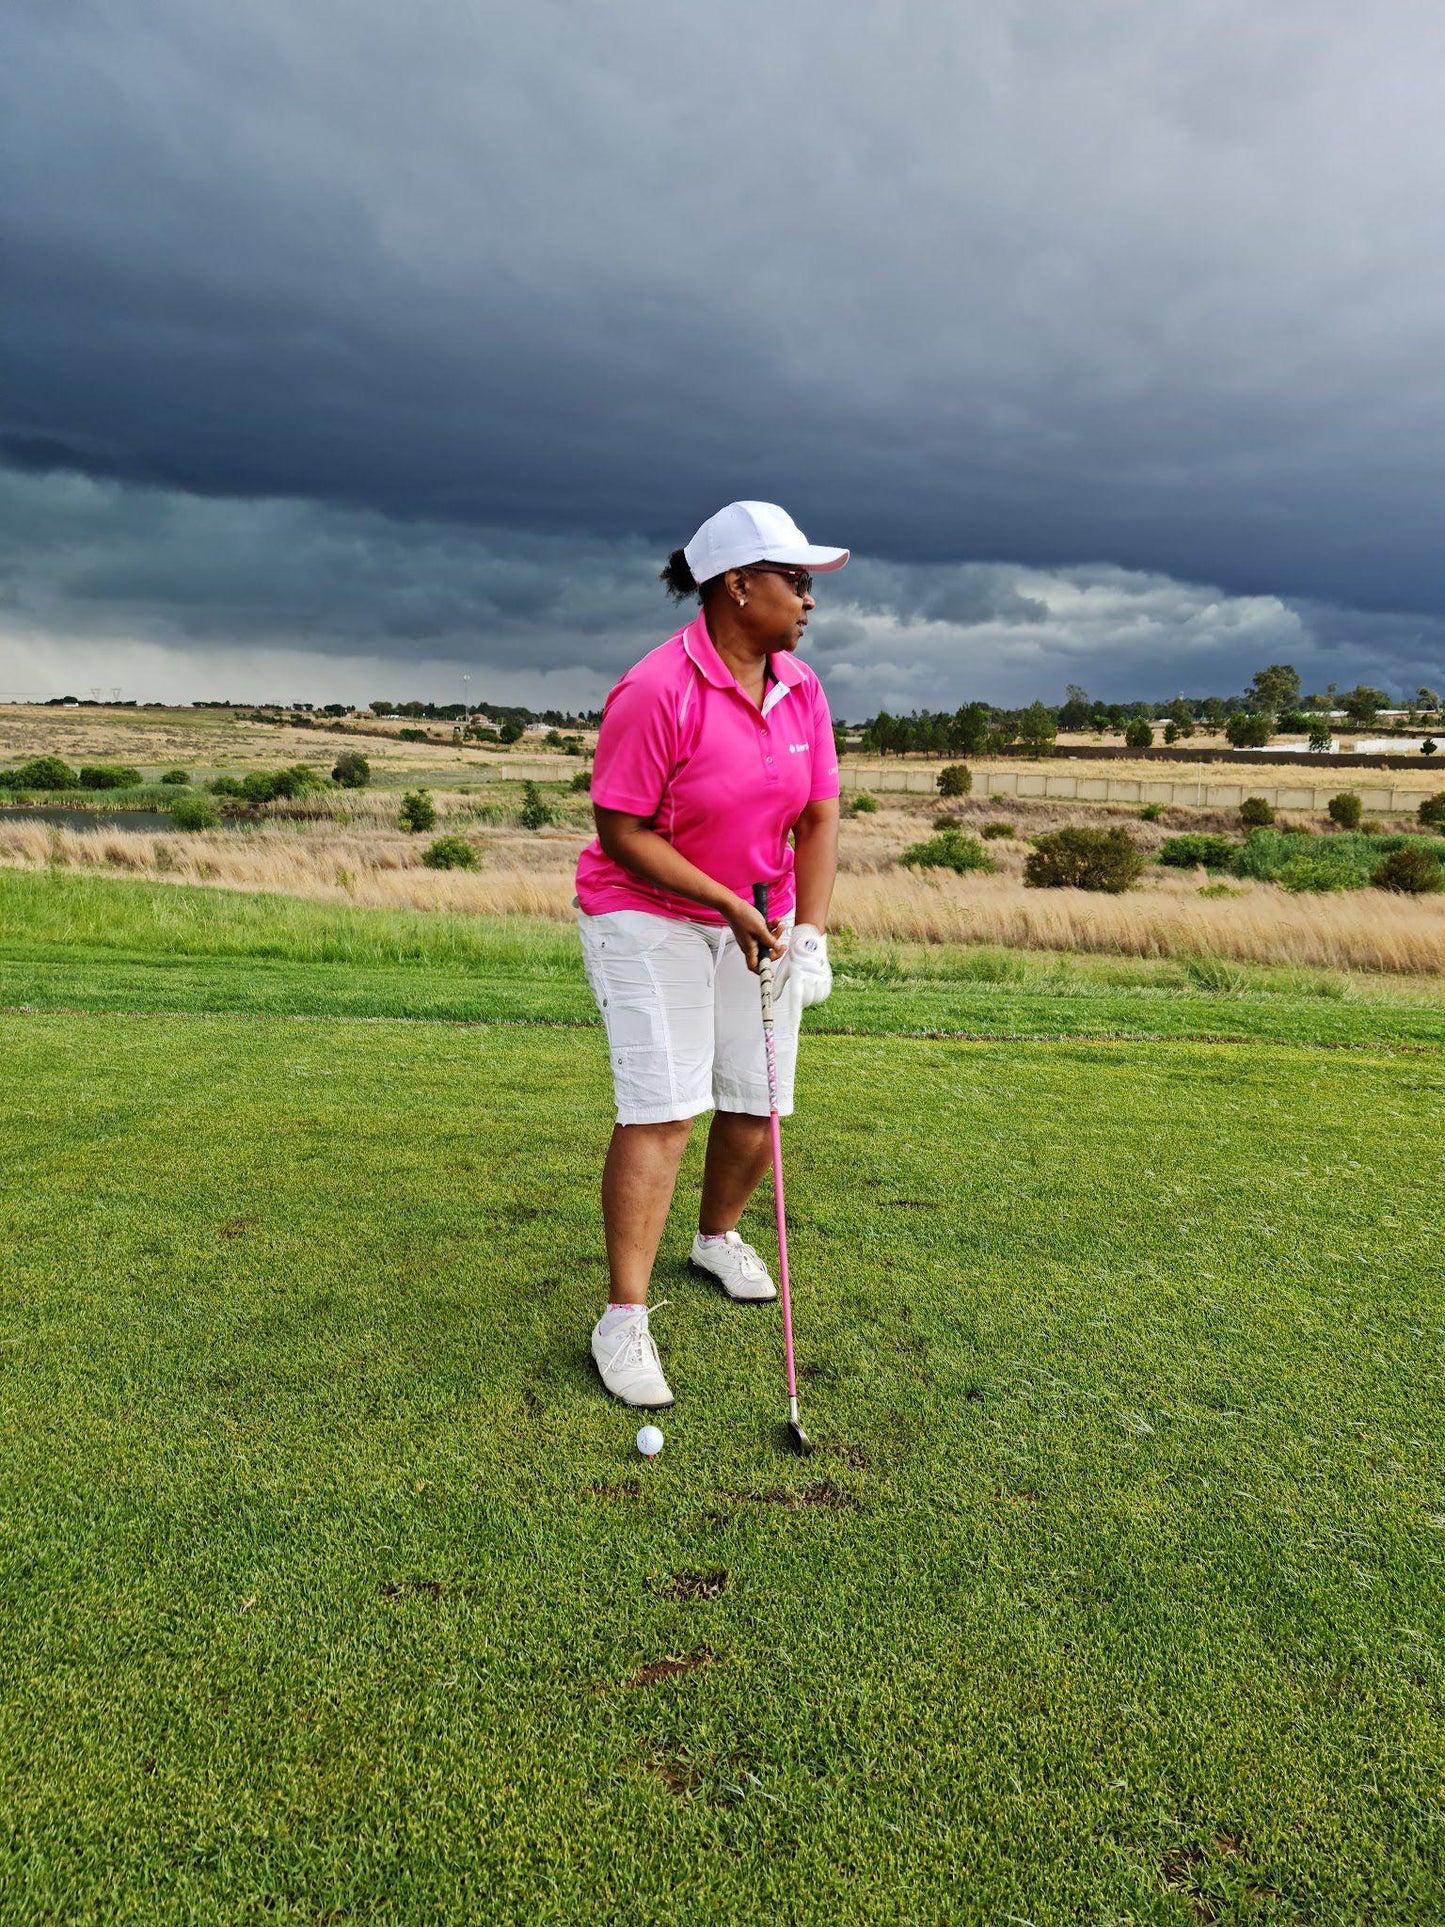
(450, 853)
(582, 782)
(993, 831)
(42, 773)
(418, 812)
(224, 786)
(1432, 812)
(1151, 812)
(955, 779)
(352, 771)
(177, 778)
(1084, 859)
(1320, 871)
(1255, 813)
(1196, 849)
(1412, 870)
(194, 813)
(536, 813)
(109, 776)
(412, 736)
(1344, 809)
(1246, 731)
(1138, 734)
(951, 849)
(864, 804)
(943, 821)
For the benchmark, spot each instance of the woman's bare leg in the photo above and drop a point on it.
(637, 1185)
(738, 1152)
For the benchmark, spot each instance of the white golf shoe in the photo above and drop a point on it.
(627, 1362)
(737, 1268)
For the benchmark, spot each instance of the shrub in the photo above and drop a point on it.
(1084, 859)
(536, 813)
(992, 831)
(1322, 872)
(1171, 732)
(352, 771)
(955, 779)
(450, 853)
(418, 812)
(582, 782)
(1411, 870)
(1429, 746)
(1151, 812)
(864, 804)
(943, 821)
(1245, 731)
(1197, 849)
(951, 849)
(178, 778)
(1344, 809)
(258, 786)
(1138, 735)
(43, 773)
(1321, 736)
(194, 813)
(1432, 812)
(109, 776)
(1255, 813)
(412, 736)
(224, 786)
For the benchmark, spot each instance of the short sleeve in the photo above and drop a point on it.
(636, 748)
(825, 750)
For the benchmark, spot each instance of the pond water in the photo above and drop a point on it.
(88, 819)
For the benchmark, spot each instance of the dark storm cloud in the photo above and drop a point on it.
(172, 595)
(1043, 285)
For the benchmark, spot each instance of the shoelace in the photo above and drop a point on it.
(752, 1264)
(637, 1347)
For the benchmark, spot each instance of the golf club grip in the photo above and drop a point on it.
(760, 899)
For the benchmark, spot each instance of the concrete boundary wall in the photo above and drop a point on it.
(1069, 786)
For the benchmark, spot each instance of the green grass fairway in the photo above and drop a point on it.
(334, 1590)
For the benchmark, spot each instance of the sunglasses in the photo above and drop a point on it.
(798, 580)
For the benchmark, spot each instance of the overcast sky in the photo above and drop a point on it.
(346, 349)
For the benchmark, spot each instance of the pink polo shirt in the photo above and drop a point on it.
(722, 780)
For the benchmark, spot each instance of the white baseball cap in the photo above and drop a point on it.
(746, 532)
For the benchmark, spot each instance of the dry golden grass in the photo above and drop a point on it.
(211, 740)
(371, 863)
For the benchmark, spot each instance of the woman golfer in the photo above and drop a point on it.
(714, 750)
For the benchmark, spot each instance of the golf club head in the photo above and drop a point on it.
(796, 1439)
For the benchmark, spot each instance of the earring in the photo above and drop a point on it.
(742, 602)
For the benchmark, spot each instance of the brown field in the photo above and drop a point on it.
(209, 741)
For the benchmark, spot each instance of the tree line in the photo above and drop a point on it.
(1272, 704)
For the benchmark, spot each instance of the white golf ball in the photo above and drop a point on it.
(649, 1441)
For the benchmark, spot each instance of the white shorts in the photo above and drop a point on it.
(684, 1018)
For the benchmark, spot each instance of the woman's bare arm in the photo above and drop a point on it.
(632, 842)
(815, 855)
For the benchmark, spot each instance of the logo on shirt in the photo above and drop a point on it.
(796, 749)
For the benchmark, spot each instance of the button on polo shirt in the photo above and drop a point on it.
(721, 779)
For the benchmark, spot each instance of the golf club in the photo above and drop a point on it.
(794, 1435)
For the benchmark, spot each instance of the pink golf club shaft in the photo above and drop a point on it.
(765, 973)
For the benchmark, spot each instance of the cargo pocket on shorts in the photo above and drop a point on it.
(630, 1002)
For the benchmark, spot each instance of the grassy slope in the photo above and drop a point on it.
(1115, 1594)
(97, 944)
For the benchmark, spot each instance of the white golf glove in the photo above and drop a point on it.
(805, 962)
